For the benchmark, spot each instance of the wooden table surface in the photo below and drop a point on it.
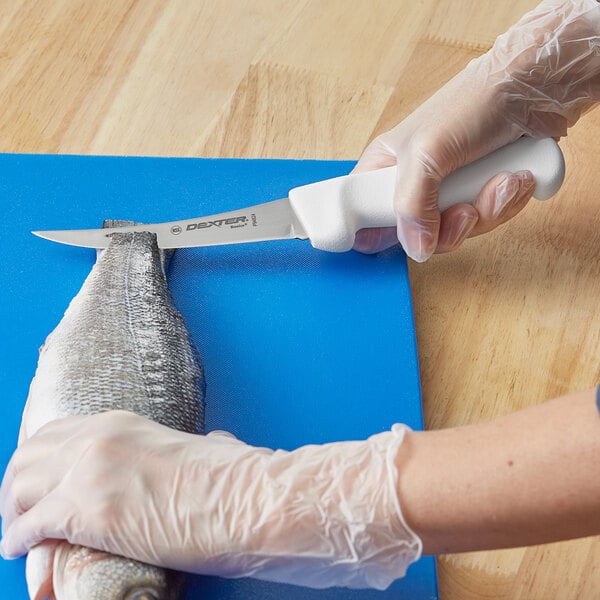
(509, 320)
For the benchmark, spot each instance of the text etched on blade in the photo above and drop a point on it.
(230, 222)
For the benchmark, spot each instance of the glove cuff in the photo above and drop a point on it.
(328, 516)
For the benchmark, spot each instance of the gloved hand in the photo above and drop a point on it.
(537, 80)
(318, 516)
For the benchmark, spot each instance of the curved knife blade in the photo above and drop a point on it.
(274, 220)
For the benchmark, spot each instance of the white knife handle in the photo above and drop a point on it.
(332, 211)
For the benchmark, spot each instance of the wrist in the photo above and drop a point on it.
(546, 66)
(326, 515)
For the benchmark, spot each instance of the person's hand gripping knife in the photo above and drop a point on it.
(319, 516)
(537, 80)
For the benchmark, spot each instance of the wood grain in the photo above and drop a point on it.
(334, 114)
(474, 23)
(509, 320)
(363, 46)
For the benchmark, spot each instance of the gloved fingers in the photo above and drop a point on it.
(224, 437)
(376, 155)
(32, 528)
(416, 199)
(417, 236)
(370, 241)
(28, 487)
(501, 198)
(40, 448)
(457, 222)
(39, 569)
(48, 453)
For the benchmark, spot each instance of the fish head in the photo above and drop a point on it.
(81, 573)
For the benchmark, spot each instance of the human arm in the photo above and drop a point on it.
(347, 513)
(530, 477)
(319, 516)
(537, 80)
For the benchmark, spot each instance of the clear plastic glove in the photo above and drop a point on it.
(537, 80)
(318, 516)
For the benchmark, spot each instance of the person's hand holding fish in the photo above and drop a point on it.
(342, 514)
(320, 515)
(537, 80)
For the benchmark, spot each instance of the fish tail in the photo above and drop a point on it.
(165, 255)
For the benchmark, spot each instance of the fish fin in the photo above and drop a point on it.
(39, 570)
(165, 255)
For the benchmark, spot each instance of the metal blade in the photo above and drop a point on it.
(269, 221)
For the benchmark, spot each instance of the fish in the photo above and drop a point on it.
(121, 344)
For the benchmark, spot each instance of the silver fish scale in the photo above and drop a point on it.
(129, 347)
(121, 344)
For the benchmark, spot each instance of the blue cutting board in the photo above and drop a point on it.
(300, 346)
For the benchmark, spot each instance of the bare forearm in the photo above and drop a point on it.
(528, 478)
